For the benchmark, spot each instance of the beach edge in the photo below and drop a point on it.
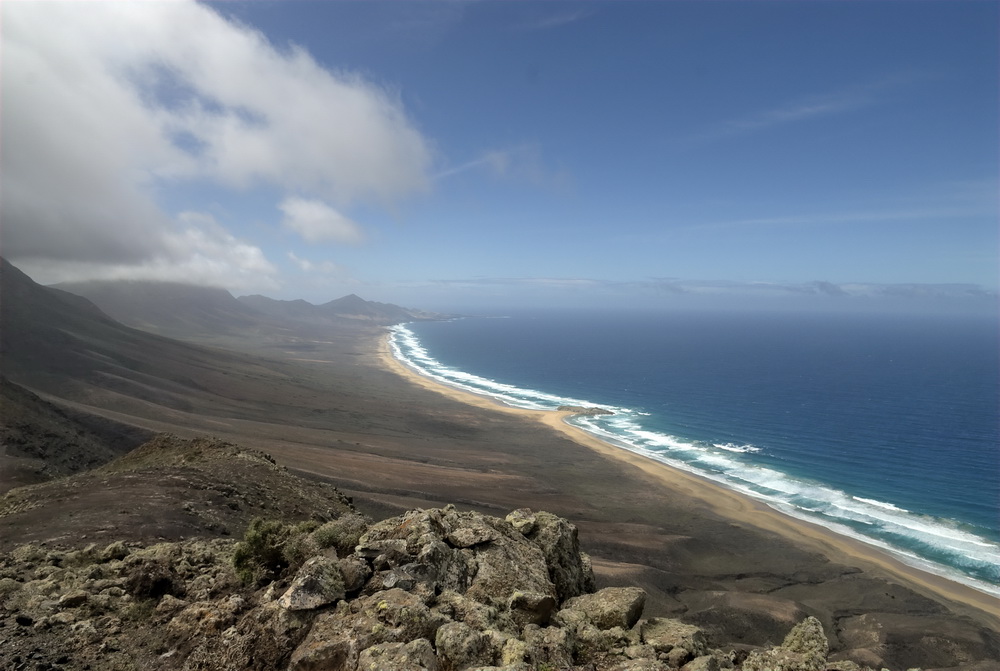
(726, 503)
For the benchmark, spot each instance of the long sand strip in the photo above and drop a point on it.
(730, 504)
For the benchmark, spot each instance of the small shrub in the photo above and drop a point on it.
(342, 533)
(299, 547)
(259, 558)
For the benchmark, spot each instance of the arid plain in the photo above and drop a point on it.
(326, 402)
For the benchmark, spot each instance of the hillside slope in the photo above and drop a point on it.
(169, 308)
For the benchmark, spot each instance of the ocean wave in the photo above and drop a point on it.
(934, 544)
(733, 447)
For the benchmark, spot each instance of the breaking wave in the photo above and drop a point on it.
(937, 545)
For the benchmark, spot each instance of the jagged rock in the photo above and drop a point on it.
(804, 649)
(592, 641)
(455, 606)
(114, 552)
(668, 636)
(531, 608)
(205, 618)
(473, 533)
(703, 663)
(168, 607)
(640, 665)
(262, 640)
(459, 646)
(523, 520)
(151, 578)
(560, 546)
(551, 645)
(74, 599)
(355, 572)
(319, 582)
(417, 655)
(641, 651)
(481, 556)
(451, 569)
(611, 607)
(337, 638)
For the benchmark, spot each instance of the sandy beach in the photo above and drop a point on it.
(729, 504)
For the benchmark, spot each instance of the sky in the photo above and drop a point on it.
(455, 154)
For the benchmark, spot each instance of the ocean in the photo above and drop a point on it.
(881, 427)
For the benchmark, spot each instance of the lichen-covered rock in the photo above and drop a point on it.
(667, 635)
(459, 646)
(531, 608)
(549, 645)
(115, 551)
(74, 598)
(319, 582)
(457, 607)
(337, 637)
(611, 607)
(594, 642)
(703, 663)
(262, 640)
(151, 578)
(473, 532)
(804, 649)
(640, 665)
(205, 618)
(481, 556)
(560, 545)
(417, 655)
(355, 572)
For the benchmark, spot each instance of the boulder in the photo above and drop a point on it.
(667, 635)
(355, 572)
(531, 608)
(703, 663)
(74, 598)
(640, 665)
(467, 552)
(262, 640)
(550, 645)
(338, 637)
(318, 583)
(611, 607)
(417, 655)
(455, 606)
(459, 646)
(804, 649)
(560, 545)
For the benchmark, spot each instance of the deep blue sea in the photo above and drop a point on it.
(882, 427)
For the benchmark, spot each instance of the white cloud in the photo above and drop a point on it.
(316, 221)
(307, 266)
(106, 104)
(198, 251)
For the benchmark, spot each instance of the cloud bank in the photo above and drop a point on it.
(107, 106)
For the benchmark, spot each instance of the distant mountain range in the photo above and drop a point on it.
(184, 310)
(349, 307)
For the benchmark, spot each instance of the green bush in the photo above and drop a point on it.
(342, 533)
(259, 558)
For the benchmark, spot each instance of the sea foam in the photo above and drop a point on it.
(937, 545)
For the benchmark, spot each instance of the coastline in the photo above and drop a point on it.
(738, 508)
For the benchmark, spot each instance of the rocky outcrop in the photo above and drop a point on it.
(430, 590)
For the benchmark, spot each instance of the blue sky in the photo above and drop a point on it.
(453, 154)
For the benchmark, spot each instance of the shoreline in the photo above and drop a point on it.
(726, 503)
